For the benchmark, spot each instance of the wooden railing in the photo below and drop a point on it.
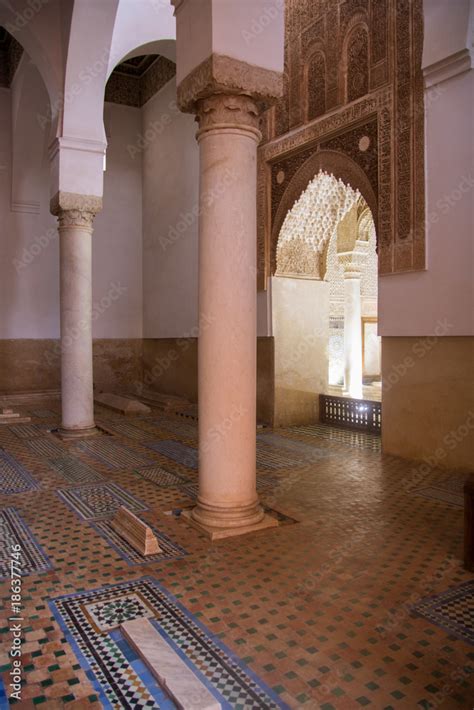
(361, 414)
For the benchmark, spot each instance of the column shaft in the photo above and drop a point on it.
(352, 337)
(227, 317)
(75, 234)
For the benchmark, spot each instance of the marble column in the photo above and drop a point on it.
(353, 263)
(228, 137)
(77, 399)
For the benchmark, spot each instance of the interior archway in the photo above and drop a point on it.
(324, 295)
(342, 168)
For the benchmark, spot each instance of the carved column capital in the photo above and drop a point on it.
(74, 210)
(228, 111)
(353, 262)
(219, 74)
(75, 218)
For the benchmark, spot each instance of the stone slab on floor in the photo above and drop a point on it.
(170, 670)
(123, 405)
(137, 533)
(9, 416)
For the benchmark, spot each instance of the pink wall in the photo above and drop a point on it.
(439, 301)
(29, 249)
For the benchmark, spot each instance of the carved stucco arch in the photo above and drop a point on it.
(331, 161)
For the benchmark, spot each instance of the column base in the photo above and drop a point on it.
(71, 434)
(218, 533)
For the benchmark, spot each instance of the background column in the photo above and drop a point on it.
(352, 263)
(75, 237)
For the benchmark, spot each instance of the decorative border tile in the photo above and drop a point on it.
(75, 471)
(99, 500)
(176, 451)
(113, 454)
(108, 665)
(14, 478)
(161, 477)
(14, 530)
(26, 431)
(452, 611)
(46, 448)
(170, 549)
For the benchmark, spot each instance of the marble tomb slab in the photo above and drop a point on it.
(173, 674)
(124, 405)
(136, 532)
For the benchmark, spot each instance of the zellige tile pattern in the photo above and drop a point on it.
(322, 611)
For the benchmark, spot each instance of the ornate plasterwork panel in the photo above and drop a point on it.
(135, 81)
(310, 224)
(357, 81)
(357, 60)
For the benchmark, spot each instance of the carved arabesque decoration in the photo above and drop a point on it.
(76, 218)
(227, 109)
(357, 62)
(338, 165)
(316, 85)
(385, 64)
(310, 223)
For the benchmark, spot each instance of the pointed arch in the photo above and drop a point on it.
(339, 165)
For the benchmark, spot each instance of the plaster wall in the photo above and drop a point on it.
(170, 218)
(301, 336)
(444, 292)
(251, 31)
(428, 401)
(29, 249)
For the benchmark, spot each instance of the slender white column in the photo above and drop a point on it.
(352, 338)
(228, 137)
(75, 235)
(353, 263)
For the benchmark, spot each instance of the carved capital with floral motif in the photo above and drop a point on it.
(74, 210)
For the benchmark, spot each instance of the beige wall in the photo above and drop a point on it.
(32, 364)
(170, 366)
(301, 332)
(428, 400)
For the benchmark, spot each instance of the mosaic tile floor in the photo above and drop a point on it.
(452, 610)
(446, 490)
(334, 612)
(15, 533)
(13, 477)
(88, 619)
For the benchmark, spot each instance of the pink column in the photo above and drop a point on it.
(228, 138)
